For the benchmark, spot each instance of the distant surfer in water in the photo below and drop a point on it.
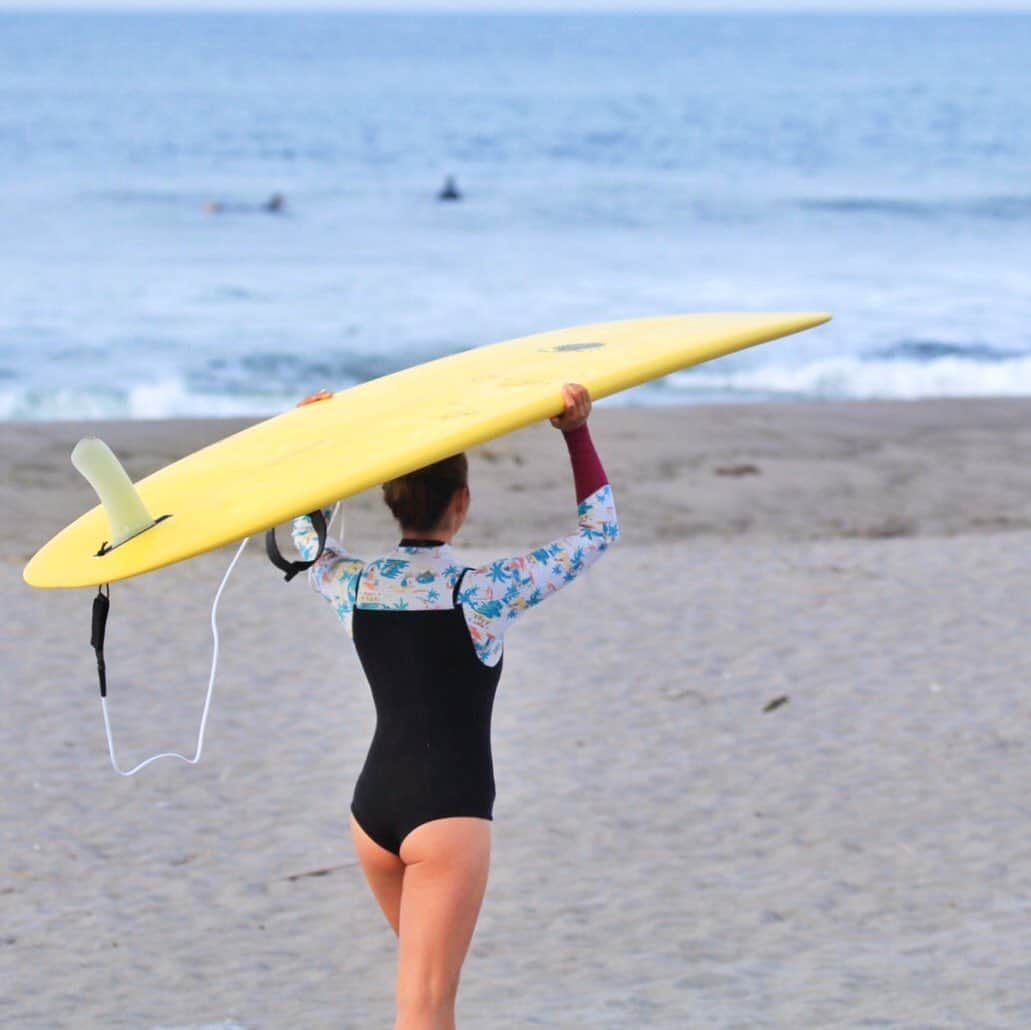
(275, 205)
(430, 633)
(449, 191)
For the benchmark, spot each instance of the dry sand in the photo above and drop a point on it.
(667, 852)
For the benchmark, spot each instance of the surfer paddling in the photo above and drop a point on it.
(430, 633)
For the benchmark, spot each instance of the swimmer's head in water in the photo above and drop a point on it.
(420, 499)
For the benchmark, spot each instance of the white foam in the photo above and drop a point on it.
(847, 377)
(173, 399)
(840, 377)
(170, 399)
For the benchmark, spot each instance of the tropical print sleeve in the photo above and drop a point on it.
(335, 574)
(495, 595)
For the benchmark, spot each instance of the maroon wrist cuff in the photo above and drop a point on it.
(588, 474)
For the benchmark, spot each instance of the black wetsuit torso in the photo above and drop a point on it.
(430, 756)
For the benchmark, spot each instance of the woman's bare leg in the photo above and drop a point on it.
(384, 872)
(446, 863)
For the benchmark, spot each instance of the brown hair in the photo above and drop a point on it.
(419, 499)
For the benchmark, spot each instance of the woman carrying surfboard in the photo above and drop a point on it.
(430, 635)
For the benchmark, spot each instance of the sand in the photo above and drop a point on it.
(765, 765)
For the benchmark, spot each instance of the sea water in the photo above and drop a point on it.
(611, 167)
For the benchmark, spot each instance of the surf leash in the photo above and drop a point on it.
(101, 609)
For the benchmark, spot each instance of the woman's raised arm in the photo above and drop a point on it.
(495, 595)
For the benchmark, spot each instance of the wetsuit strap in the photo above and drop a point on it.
(101, 606)
(291, 568)
(458, 585)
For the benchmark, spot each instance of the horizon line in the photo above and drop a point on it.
(283, 7)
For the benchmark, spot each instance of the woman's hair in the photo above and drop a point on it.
(419, 499)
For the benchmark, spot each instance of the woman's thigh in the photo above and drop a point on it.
(446, 865)
(384, 872)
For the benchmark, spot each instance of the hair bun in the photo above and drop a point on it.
(419, 499)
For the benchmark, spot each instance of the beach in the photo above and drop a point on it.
(764, 765)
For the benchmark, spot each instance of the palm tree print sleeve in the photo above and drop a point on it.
(335, 574)
(495, 595)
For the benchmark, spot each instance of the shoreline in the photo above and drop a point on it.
(802, 471)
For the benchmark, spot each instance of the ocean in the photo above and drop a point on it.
(611, 166)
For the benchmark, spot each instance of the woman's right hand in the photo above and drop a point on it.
(322, 395)
(578, 406)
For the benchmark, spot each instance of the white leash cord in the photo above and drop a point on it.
(207, 699)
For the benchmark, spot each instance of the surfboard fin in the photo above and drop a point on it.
(126, 513)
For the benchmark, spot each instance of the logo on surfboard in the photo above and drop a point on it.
(576, 346)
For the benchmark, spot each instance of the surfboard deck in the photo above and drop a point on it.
(311, 456)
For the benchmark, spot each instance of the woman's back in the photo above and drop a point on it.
(430, 755)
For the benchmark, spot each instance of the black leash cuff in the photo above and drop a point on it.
(292, 568)
(101, 606)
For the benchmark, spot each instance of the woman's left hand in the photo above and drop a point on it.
(577, 399)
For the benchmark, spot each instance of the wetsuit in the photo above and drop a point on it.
(430, 636)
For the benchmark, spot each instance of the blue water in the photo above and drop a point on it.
(613, 166)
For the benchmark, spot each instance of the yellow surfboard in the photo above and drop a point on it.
(314, 455)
